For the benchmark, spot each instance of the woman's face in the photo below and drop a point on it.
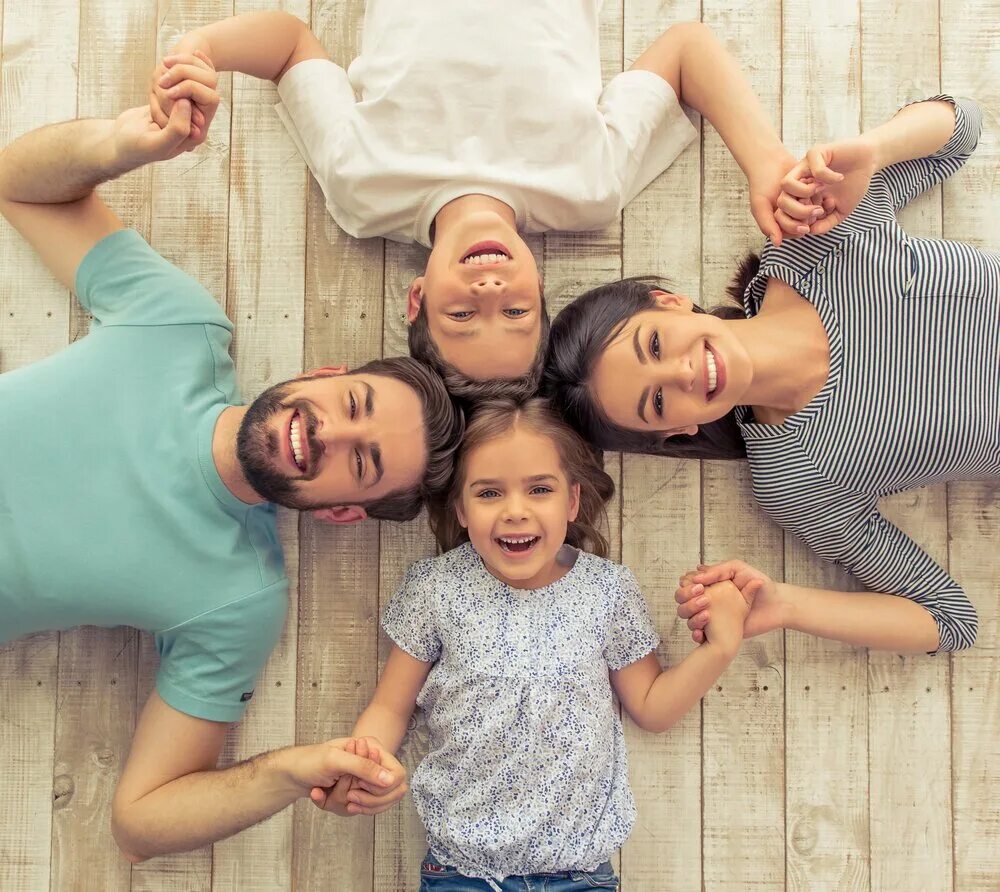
(670, 369)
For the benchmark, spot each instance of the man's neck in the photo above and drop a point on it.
(224, 455)
(459, 208)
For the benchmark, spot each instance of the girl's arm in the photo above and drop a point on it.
(705, 76)
(655, 698)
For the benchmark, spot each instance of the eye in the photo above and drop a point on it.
(540, 490)
(514, 312)
(654, 345)
(461, 314)
(487, 494)
(359, 464)
(354, 405)
(658, 402)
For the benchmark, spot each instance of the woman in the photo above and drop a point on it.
(867, 364)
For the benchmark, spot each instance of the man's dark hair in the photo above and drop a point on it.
(444, 423)
(577, 339)
(468, 390)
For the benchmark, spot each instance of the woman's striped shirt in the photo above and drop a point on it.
(913, 394)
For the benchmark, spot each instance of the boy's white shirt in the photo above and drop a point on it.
(453, 97)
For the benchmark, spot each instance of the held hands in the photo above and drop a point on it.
(185, 76)
(766, 608)
(824, 187)
(357, 794)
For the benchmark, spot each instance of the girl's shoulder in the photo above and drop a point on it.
(460, 561)
(591, 569)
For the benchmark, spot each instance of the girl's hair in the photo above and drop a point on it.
(578, 337)
(582, 465)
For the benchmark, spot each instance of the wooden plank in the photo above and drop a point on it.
(826, 712)
(910, 768)
(661, 503)
(744, 792)
(970, 67)
(338, 618)
(38, 70)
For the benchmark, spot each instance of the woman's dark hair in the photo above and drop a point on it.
(581, 463)
(578, 337)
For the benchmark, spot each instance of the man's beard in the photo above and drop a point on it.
(258, 450)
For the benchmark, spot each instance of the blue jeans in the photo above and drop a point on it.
(437, 877)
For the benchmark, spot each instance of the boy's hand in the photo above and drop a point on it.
(766, 605)
(834, 176)
(357, 795)
(765, 182)
(186, 76)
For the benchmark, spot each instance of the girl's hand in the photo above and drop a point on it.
(834, 176)
(189, 76)
(767, 607)
(351, 795)
(765, 182)
(727, 610)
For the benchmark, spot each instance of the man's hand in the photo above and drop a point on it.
(137, 139)
(356, 794)
(767, 609)
(834, 176)
(189, 76)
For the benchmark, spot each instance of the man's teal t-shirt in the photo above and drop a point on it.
(112, 511)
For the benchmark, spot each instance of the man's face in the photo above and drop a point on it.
(333, 439)
(482, 297)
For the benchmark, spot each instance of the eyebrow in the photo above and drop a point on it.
(376, 453)
(369, 398)
(642, 404)
(537, 478)
(522, 330)
(638, 350)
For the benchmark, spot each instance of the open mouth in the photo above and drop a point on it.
(518, 545)
(714, 373)
(486, 254)
(298, 441)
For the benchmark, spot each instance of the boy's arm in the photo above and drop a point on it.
(705, 76)
(262, 44)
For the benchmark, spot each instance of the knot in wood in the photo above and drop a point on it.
(804, 836)
(104, 757)
(62, 790)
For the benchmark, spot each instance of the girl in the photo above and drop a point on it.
(868, 365)
(512, 642)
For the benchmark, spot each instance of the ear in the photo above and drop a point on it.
(460, 513)
(342, 514)
(689, 431)
(324, 371)
(574, 502)
(668, 301)
(414, 299)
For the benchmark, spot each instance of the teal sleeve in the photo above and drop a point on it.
(123, 281)
(209, 665)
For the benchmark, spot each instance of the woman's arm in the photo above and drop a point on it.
(657, 699)
(705, 76)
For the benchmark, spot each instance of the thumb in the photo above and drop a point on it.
(178, 127)
(763, 213)
(363, 769)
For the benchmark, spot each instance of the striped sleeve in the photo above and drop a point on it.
(908, 179)
(886, 560)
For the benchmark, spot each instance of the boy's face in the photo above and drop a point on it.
(482, 297)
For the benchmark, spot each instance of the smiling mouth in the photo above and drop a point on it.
(486, 254)
(711, 373)
(297, 440)
(517, 544)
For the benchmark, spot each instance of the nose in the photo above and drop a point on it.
(333, 434)
(515, 508)
(682, 374)
(488, 285)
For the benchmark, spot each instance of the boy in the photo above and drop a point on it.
(473, 126)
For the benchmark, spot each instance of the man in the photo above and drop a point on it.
(136, 490)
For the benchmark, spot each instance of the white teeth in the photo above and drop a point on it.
(476, 259)
(713, 374)
(517, 540)
(296, 441)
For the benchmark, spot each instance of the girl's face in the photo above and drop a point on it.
(670, 369)
(516, 503)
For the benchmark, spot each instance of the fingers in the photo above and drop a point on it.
(343, 762)
(763, 214)
(687, 591)
(817, 158)
(707, 575)
(698, 636)
(789, 225)
(799, 210)
(197, 59)
(203, 94)
(156, 110)
(699, 620)
(689, 609)
(363, 803)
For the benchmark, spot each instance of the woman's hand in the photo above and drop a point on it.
(834, 176)
(765, 182)
(189, 76)
(767, 607)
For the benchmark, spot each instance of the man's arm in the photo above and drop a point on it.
(47, 178)
(171, 798)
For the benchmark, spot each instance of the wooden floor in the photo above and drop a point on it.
(810, 766)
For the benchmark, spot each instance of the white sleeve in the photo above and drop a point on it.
(315, 96)
(647, 127)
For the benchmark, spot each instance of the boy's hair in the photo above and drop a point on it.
(578, 338)
(581, 464)
(444, 423)
(468, 390)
